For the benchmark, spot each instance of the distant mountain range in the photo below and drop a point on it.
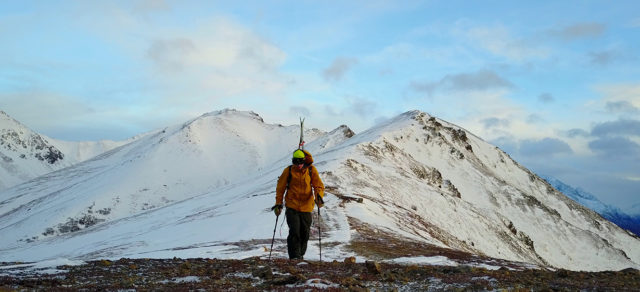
(25, 154)
(204, 188)
(613, 214)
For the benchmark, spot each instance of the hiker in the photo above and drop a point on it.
(300, 181)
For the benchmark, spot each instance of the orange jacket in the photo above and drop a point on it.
(299, 196)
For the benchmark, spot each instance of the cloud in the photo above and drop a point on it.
(338, 68)
(330, 111)
(149, 6)
(579, 31)
(499, 42)
(534, 118)
(478, 81)
(26, 107)
(603, 58)
(216, 60)
(620, 92)
(359, 106)
(622, 107)
(544, 147)
(620, 127)
(300, 110)
(508, 144)
(481, 80)
(573, 133)
(196, 60)
(68, 117)
(363, 107)
(494, 122)
(621, 99)
(171, 54)
(616, 147)
(546, 98)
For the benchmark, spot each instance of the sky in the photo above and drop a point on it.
(555, 84)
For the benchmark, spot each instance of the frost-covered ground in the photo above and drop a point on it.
(255, 274)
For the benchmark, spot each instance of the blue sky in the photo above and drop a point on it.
(556, 84)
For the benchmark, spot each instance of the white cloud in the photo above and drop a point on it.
(620, 98)
(499, 41)
(194, 62)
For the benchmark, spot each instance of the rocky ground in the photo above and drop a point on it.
(255, 274)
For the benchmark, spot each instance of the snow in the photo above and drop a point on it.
(42, 267)
(317, 283)
(204, 188)
(187, 279)
(422, 260)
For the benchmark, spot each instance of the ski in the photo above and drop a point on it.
(301, 144)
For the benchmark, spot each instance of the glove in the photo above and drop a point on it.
(277, 209)
(319, 201)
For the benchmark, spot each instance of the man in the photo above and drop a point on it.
(300, 181)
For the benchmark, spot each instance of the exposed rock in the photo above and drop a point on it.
(263, 273)
(373, 267)
(285, 280)
(350, 260)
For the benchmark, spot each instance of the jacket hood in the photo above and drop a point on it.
(308, 159)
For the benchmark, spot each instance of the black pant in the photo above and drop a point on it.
(299, 226)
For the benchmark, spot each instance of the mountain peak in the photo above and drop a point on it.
(233, 112)
(7, 122)
(345, 130)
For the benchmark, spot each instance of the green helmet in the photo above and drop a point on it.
(298, 154)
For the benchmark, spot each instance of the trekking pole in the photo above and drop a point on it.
(274, 237)
(319, 233)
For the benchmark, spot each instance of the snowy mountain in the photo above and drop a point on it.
(611, 213)
(25, 154)
(633, 210)
(204, 189)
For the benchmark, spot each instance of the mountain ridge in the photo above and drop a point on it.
(609, 212)
(414, 177)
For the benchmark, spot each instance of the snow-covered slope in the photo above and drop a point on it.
(204, 188)
(611, 213)
(25, 154)
(172, 164)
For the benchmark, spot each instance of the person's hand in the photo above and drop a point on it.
(319, 201)
(277, 209)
